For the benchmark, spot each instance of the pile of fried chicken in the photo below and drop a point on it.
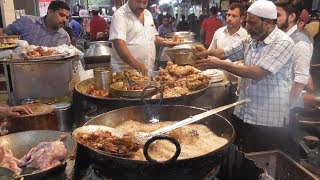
(39, 51)
(176, 80)
(105, 141)
(129, 74)
(96, 92)
(42, 157)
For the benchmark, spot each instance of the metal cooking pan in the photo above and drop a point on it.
(8, 174)
(82, 87)
(20, 144)
(215, 123)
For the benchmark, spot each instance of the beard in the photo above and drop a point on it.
(285, 25)
(257, 34)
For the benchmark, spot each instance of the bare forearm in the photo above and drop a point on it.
(295, 91)
(159, 41)
(219, 53)
(251, 72)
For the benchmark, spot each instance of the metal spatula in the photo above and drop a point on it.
(142, 137)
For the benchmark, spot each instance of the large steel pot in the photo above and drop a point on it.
(187, 168)
(98, 52)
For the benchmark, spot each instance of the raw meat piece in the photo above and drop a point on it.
(7, 160)
(45, 155)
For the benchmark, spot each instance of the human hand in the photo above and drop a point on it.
(15, 110)
(141, 68)
(199, 54)
(170, 43)
(209, 63)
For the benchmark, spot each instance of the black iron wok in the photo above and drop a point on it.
(20, 144)
(188, 168)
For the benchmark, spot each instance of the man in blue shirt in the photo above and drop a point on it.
(43, 31)
(76, 27)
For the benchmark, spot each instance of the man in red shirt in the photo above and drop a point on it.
(209, 27)
(97, 25)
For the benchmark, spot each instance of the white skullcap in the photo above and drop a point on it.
(94, 8)
(263, 8)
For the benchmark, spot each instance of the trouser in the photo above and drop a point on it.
(254, 138)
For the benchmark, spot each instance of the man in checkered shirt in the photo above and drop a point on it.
(266, 79)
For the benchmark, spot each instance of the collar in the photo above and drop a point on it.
(127, 8)
(271, 36)
(292, 30)
(41, 20)
(238, 32)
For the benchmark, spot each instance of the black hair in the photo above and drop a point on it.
(241, 7)
(213, 10)
(290, 8)
(95, 13)
(56, 5)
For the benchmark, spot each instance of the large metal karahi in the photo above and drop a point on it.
(20, 144)
(216, 123)
(113, 102)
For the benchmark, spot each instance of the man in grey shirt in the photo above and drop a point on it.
(43, 31)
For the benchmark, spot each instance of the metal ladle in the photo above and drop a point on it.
(142, 137)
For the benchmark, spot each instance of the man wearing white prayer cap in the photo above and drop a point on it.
(265, 79)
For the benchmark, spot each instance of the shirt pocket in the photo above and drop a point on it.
(150, 32)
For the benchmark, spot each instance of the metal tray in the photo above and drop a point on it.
(48, 58)
(280, 166)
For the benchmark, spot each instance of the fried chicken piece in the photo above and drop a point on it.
(7, 160)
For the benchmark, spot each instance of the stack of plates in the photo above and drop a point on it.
(216, 75)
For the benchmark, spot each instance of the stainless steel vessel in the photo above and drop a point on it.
(102, 78)
(98, 54)
(38, 79)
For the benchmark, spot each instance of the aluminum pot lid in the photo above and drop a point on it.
(62, 105)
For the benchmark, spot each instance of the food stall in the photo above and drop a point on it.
(125, 103)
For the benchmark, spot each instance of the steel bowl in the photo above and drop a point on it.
(181, 56)
(117, 89)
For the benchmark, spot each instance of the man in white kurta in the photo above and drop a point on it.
(134, 35)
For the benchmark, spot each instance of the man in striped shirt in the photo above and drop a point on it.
(266, 79)
(43, 31)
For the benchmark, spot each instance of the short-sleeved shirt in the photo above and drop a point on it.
(97, 24)
(270, 95)
(210, 25)
(222, 38)
(32, 29)
(302, 56)
(76, 27)
(140, 38)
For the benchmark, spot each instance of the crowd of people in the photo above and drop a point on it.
(273, 49)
